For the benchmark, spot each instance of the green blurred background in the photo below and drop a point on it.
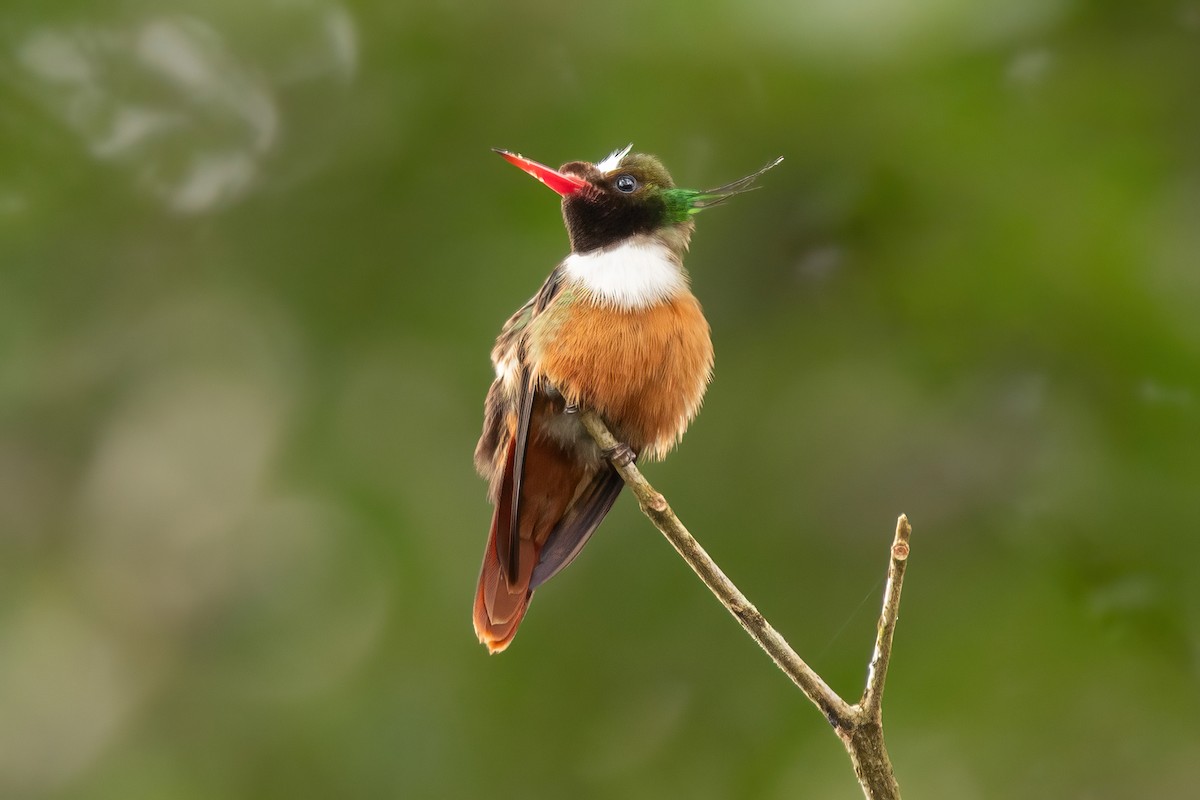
(252, 260)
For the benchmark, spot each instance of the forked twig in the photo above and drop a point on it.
(859, 726)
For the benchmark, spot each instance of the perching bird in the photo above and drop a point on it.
(615, 329)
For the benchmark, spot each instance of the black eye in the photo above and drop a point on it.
(626, 184)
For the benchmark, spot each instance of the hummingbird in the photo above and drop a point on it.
(614, 329)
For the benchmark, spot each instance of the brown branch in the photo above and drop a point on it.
(860, 727)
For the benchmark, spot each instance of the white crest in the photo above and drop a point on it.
(613, 160)
(634, 274)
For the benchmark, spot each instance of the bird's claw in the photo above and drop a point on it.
(621, 454)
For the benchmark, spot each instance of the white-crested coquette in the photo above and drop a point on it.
(615, 329)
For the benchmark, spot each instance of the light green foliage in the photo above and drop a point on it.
(253, 257)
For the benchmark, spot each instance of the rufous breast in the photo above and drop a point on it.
(644, 370)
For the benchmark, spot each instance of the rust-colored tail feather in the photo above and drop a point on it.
(499, 604)
(498, 609)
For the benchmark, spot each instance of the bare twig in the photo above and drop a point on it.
(873, 696)
(860, 727)
(864, 742)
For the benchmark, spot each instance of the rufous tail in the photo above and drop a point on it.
(498, 608)
(552, 480)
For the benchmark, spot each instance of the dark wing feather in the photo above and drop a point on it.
(577, 525)
(503, 539)
(510, 555)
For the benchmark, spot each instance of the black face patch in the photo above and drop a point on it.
(625, 202)
(600, 216)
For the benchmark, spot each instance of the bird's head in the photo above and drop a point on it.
(624, 195)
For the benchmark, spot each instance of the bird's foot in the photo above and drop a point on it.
(621, 454)
(571, 408)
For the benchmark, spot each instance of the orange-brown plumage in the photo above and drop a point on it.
(643, 370)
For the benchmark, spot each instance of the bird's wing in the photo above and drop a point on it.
(577, 526)
(512, 346)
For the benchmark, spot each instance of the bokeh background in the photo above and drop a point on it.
(252, 260)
